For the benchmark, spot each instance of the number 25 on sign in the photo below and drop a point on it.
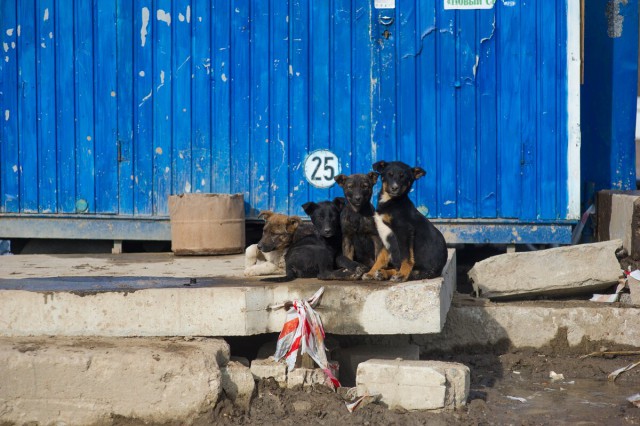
(320, 167)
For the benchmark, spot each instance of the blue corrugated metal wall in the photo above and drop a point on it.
(119, 103)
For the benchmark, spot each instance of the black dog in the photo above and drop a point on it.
(314, 255)
(360, 240)
(413, 244)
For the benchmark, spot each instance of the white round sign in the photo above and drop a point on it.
(320, 167)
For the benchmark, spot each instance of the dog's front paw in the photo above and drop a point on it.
(360, 271)
(398, 278)
(379, 276)
(368, 277)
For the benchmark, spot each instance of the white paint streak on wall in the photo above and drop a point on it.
(180, 17)
(475, 66)
(163, 16)
(182, 64)
(46, 14)
(145, 23)
(161, 80)
(141, 73)
(223, 77)
(18, 31)
(145, 99)
(13, 44)
(5, 46)
(50, 34)
(187, 187)
(6, 59)
(10, 32)
(15, 169)
(44, 46)
(188, 13)
(6, 115)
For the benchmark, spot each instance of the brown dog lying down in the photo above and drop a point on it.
(278, 233)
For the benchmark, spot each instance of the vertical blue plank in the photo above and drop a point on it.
(528, 72)
(143, 32)
(299, 100)
(408, 48)
(486, 79)
(9, 136)
(562, 200)
(162, 112)
(427, 107)
(201, 100)
(28, 157)
(260, 65)
(46, 106)
(221, 107)
(320, 111)
(65, 95)
(363, 147)
(181, 96)
(341, 100)
(83, 32)
(547, 113)
(466, 114)
(509, 103)
(384, 74)
(125, 99)
(240, 98)
(106, 107)
(279, 104)
(447, 85)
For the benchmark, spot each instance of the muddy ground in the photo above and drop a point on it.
(584, 397)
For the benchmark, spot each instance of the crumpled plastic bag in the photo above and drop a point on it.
(303, 333)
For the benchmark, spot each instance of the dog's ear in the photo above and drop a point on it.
(418, 172)
(340, 179)
(309, 207)
(379, 166)
(265, 214)
(373, 176)
(340, 202)
(292, 223)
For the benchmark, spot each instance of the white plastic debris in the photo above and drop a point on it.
(516, 398)
(635, 399)
(614, 375)
(555, 376)
(609, 298)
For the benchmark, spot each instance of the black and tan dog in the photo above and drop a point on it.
(413, 245)
(313, 256)
(360, 240)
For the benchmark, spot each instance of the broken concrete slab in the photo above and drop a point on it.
(557, 271)
(79, 381)
(349, 358)
(238, 383)
(415, 385)
(306, 377)
(476, 323)
(619, 218)
(158, 303)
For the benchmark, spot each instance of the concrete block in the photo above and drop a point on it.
(477, 323)
(105, 296)
(415, 385)
(557, 271)
(306, 377)
(619, 218)
(350, 358)
(266, 368)
(238, 383)
(91, 380)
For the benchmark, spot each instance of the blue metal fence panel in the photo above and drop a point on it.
(111, 106)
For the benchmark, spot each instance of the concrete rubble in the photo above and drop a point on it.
(269, 368)
(238, 383)
(619, 218)
(349, 358)
(415, 385)
(91, 381)
(556, 271)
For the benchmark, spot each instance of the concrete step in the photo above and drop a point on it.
(155, 295)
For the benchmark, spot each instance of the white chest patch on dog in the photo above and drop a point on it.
(383, 230)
